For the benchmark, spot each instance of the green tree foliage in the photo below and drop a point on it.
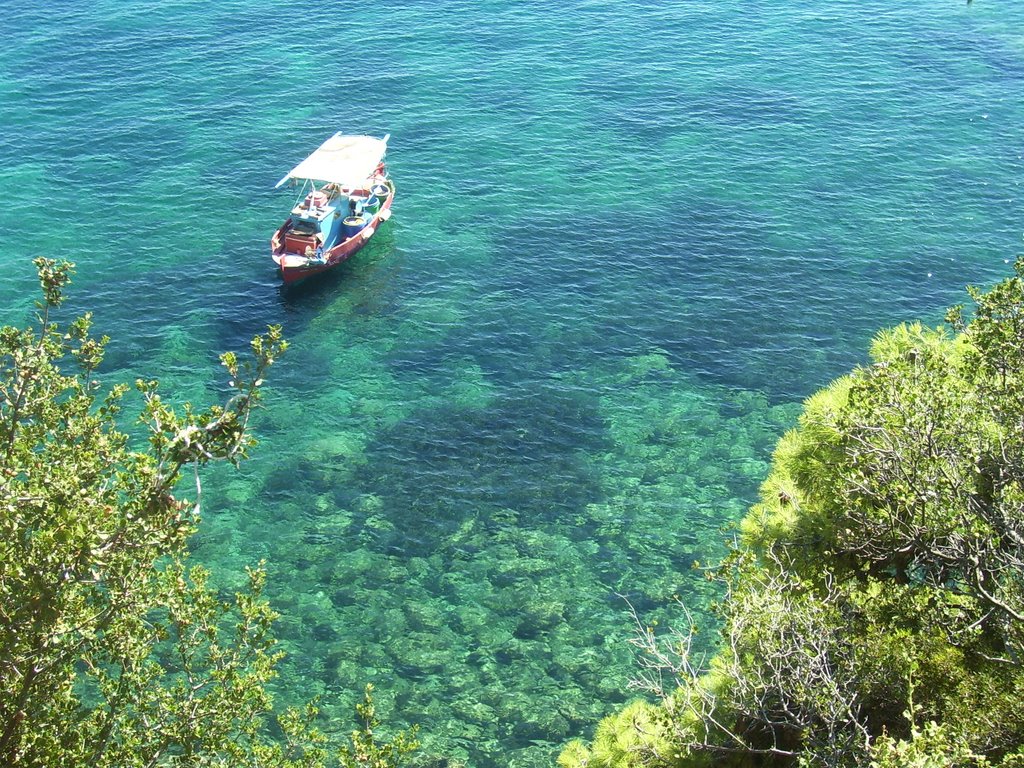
(364, 750)
(114, 650)
(875, 603)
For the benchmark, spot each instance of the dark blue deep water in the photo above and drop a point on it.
(629, 239)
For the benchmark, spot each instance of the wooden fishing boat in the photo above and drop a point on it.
(344, 195)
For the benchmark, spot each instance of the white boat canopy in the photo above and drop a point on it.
(348, 161)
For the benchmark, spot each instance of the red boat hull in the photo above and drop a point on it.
(296, 267)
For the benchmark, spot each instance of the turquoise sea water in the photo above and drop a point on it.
(629, 239)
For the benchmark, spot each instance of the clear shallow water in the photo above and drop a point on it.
(629, 239)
